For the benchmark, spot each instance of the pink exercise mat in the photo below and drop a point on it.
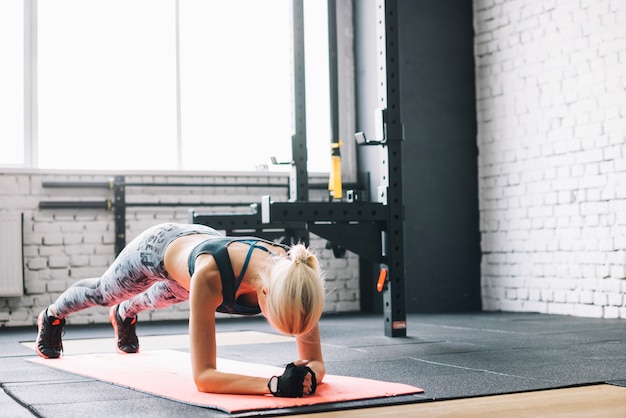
(167, 373)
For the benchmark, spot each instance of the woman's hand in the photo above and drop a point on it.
(296, 381)
(307, 384)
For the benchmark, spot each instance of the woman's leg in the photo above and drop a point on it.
(133, 271)
(138, 267)
(125, 278)
(81, 295)
(137, 274)
(124, 316)
(159, 295)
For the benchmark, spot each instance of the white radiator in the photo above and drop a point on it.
(11, 260)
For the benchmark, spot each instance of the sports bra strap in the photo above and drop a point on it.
(245, 266)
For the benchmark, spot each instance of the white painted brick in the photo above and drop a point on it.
(602, 270)
(35, 286)
(611, 312)
(560, 296)
(71, 226)
(5, 316)
(92, 238)
(522, 293)
(99, 261)
(616, 299)
(108, 250)
(589, 311)
(560, 309)
(510, 294)
(72, 238)
(572, 297)
(47, 227)
(491, 305)
(600, 299)
(51, 250)
(53, 239)
(60, 261)
(59, 275)
(37, 263)
(618, 271)
(535, 306)
(511, 305)
(56, 287)
(547, 295)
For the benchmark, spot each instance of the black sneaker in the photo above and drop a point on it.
(50, 330)
(125, 333)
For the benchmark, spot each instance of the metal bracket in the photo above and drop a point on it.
(361, 139)
(354, 226)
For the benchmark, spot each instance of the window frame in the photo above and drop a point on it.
(345, 79)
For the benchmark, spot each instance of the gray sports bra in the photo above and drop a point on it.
(218, 248)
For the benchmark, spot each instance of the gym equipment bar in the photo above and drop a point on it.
(108, 204)
(112, 183)
(118, 204)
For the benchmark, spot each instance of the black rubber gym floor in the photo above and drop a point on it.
(448, 355)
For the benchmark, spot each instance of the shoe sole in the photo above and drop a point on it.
(39, 323)
(113, 319)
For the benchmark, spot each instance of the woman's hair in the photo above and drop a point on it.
(295, 291)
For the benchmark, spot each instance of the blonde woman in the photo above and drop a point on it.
(171, 263)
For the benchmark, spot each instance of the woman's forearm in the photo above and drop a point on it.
(213, 381)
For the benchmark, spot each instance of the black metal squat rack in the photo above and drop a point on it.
(372, 230)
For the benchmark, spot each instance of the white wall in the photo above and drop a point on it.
(62, 246)
(551, 99)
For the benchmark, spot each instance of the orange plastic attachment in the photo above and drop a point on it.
(382, 277)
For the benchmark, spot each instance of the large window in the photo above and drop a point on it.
(12, 82)
(235, 83)
(318, 130)
(107, 84)
(158, 84)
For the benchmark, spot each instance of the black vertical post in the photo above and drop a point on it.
(394, 300)
(332, 70)
(119, 213)
(299, 178)
(334, 180)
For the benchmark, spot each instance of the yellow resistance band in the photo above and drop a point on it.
(334, 181)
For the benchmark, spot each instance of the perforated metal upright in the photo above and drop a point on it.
(119, 211)
(394, 300)
(299, 177)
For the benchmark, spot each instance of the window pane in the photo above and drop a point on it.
(107, 84)
(12, 82)
(318, 129)
(235, 59)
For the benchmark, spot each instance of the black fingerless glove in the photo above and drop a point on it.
(289, 385)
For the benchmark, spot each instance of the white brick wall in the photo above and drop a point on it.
(65, 245)
(551, 101)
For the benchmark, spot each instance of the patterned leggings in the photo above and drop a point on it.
(137, 279)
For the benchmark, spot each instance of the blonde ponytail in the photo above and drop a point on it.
(301, 254)
(295, 291)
